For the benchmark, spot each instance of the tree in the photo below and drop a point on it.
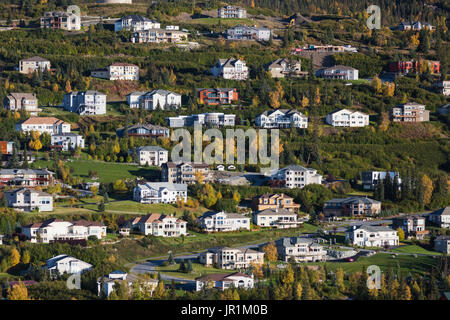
(287, 276)
(68, 87)
(160, 292)
(120, 186)
(14, 257)
(427, 189)
(101, 207)
(271, 252)
(376, 84)
(26, 257)
(340, 279)
(171, 259)
(401, 234)
(18, 292)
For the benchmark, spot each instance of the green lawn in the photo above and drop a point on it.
(199, 270)
(224, 22)
(412, 248)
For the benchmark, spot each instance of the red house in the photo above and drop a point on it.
(216, 96)
(407, 66)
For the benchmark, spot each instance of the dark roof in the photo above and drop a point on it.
(442, 212)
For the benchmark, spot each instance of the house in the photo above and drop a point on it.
(160, 192)
(134, 98)
(213, 119)
(160, 99)
(67, 141)
(144, 130)
(42, 125)
(118, 71)
(300, 249)
(55, 230)
(118, 276)
(412, 225)
(232, 69)
(221, 222)
(441, 217)
(135, 23)
(223, 281)
(231, 258)
(442, 244)
(417, 25)
(232, 12)
(33, 64)
(6, 153)
(61, 20)
(295, 176)
(443, 109)
(444, 87)
(159, 36)
(26, 177)
(352, 206)
(371, 236)
(407, 66)
(347, 118)
(410, 112)
(279, 218)
(240, 32)
(404, 25)
(66, 264)
(338, 72)
(85, 103)
(217, 96)
(1, 239)
(185, 172)
(283, 67)
(274, 201)
(282, 118)
(152, 156)
(27, 199)
(159, 225)
(17, 101)
(371, 178)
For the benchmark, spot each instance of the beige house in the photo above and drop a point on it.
(159, 36)
(17, 101)
(187, 172)
(231, 258)
(282, 68)
(33, 64)
(300, 249)
(160, 225)
(26, 199)
(118, 71)
(223, 281)
(50, 125)
(274, 201)
(410, 112)
(279, 218)
(152, 156)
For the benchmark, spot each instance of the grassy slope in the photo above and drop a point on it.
(199, 270)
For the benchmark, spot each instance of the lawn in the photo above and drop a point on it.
(199, 270)
(412, 248)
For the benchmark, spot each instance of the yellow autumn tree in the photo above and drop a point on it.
(389, 89)
(427, 189)
(14, 257)
(414, 40)
(271, 252)
(317, 96)
(376, 84)
(18, 292)
(274, 99)
(68, 87)
(305, 102)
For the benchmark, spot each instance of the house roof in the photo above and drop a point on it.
(230, 62)
(44, 120)
(35, 58)
(364, 200)
(136, 18)
(85, 223)
(164, 185)
(192, 164)
(273, 195)
(161, 92)
(284, 111)
(373, 228)
(227, 215)
(156, 218)
(275, 212)
(150, 148)
(221, 276)
(441, 212)
(25, 172)
(290, 241)
(122, 64)
(340, 67)
(27, 191)
(296, 167)
(22, 95)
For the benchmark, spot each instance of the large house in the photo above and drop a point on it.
(160, 192)
(347, 118)
(67, 141)
(159, 36)
(408, 66)
(144, 130)
(159, 225)
(185, 172)
(283, 67)
(416, 25)
(53, 230)
(282, 118)
(441, 217)
(118, 276)
(232, 69)
(213, 119)
(50, 125)
(300, 249)
(61, 20)
(352, 206)
(371, 178)
(235, 12)
(17, 101)
(410, 112)
(26, 177)
(442, 244)
(33, 64)
(221, 221)
(296, 176)
(444, 87)
(135, 23)
(85, 103)
(412, 225)
(66, 264)
(274, 201)
(162, 99)
(338, 72)
(27, 199)
(152, 155)
(224, 281)
(278, 218)
(134, 99)
(118, 71)
(231, 258)
(371, 236)
(248, 33)
(217, 96)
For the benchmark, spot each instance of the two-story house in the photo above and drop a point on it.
(243, 32)
(278, 218)
(231, 258)
(17, 101)
(26, 177)
(185, 172)
(231, 69)
(135, 23)
(347, 118)
(160, 225)
(412, 225)
(26, 199)
(441, 217)
(371, 178)
(50, 125)
(274, 201)
(223, 281)
(217, 96)
(144, 130)
(300, 249)
(352, 206)
(152, 156)
(442, 244)
(410, 113)
(212, 119)
(338, 72)
(61, 20)
(64, 263)
(160, 192)
(371, 236)
(232, 12)
(296, 176)
(34, 64)
(118, 71)
(282, 118)
(222, 221)
(67, 141)
(89, 102)
(283, 67)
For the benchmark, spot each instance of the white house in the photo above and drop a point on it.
(231, 258)
(118, 71)
(444, 87)
(67, 141)
(42, 125)
(85, 103)
(118, 276)
(232, 69)
(215, 119)
(232, 12)
(224, 281)
(163, 99)
(347, 118)
(441, 217)
(295, 176)
(26, 199)
(160, 192)
(135, 23)
(248, 33)
(282, 118)
(338, 72)
(371, 178)
(221, 221)
(134, 98)
(279, 218)
(152, 156)
(371, 236)
(26, 177)
(61, 20)
(33, 64)
(66, 264)
(300, 249)
(159, 225)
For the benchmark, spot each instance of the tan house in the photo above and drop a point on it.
(187, 172)
(412, 225)
(410, 113)
(300, 249)
(282, 68)
(159, 225)
(279, 218)
(33, 64)
(17, 101)
(159, 36)
(231, 258)
(274, 201)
